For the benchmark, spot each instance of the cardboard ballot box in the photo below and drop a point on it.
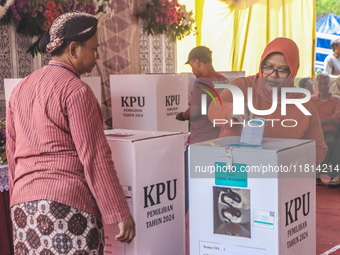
(252, 200)
(149, 102)
(150, 167)
(93, 82)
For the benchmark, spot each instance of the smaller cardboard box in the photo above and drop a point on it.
(149, 101)
(252, 199)
(150, 167)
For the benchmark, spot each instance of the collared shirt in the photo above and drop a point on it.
(56, 146)
(332, 64)
(329, 108)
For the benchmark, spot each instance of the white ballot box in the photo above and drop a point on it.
(93, 82)
(95, 85)
(9, 85)
(149, 101)
(249, 199)
(150, 167)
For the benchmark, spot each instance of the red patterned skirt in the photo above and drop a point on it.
(45, 227)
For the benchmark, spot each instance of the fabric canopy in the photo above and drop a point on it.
(329, 24)
(238, 37)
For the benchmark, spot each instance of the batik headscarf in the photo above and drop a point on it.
(68, 27)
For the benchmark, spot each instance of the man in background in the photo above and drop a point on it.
(332, 61)
(202, 129)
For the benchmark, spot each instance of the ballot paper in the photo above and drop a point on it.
(252, 132)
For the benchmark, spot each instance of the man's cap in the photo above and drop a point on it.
(199, 52)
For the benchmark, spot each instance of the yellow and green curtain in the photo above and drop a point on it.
(237, 31)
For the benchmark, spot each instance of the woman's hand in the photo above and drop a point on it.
(245, 117)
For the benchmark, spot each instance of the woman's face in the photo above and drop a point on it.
(275, 71)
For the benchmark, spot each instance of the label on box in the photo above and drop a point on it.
(264, 219)
(245, 145)
(209, 248)
(233, 176)
(213, 248)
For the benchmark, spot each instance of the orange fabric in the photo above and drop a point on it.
(308, 127)
(291, 52)
(328, 109)
(289, 49)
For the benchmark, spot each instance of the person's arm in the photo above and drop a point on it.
(315, 133)
(336, 116)
(183, 116)
(10, 146)
(192, 113)
(85, 120)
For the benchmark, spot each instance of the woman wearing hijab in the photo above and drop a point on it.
(63, 183)
(279, 65)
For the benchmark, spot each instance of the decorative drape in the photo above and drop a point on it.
(119, 50)
(238, 36)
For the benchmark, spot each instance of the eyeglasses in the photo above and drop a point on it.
(281, 73)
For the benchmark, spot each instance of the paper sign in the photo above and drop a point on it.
(230, 176)
(252, 132)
